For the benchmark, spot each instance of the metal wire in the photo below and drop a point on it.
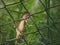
(38, 30)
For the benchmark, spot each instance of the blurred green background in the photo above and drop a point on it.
(47, 22)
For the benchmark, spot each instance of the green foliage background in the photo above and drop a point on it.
(42, 21)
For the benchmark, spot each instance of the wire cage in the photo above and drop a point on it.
(44, 33)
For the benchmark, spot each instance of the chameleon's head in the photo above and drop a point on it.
(25, 16)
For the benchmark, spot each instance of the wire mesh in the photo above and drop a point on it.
(37, 28)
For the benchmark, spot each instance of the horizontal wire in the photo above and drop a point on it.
(32, 15)
(10, 5)
(38, 30)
